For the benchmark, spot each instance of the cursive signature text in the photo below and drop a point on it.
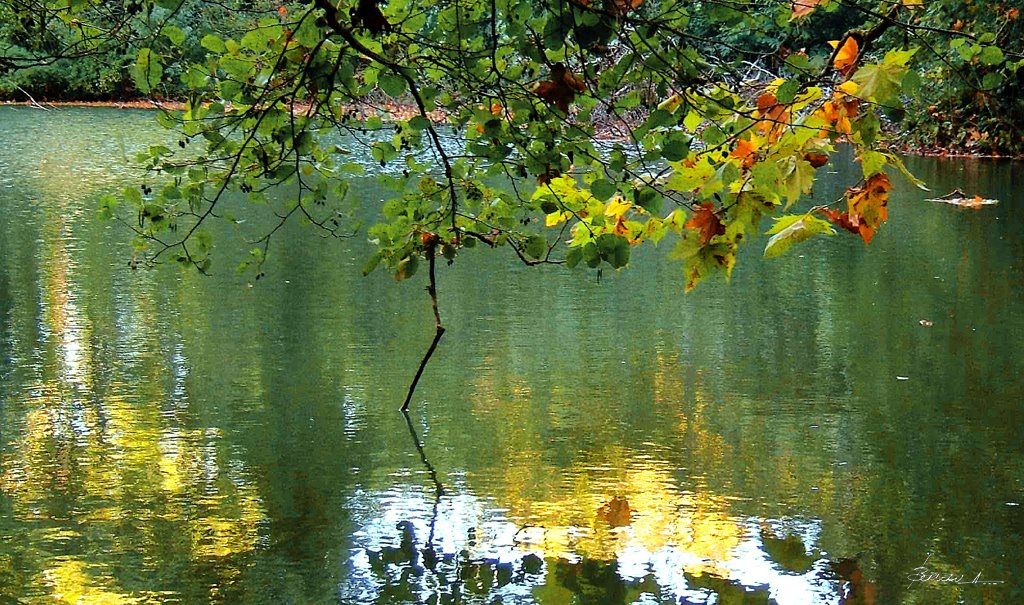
(923, 574)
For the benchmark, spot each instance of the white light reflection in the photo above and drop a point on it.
(468, 529)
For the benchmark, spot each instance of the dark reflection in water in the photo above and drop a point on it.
(797, 437)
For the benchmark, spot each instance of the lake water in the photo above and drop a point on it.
(794, 437)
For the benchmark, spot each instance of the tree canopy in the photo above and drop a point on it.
(615, 123)
(564, 131)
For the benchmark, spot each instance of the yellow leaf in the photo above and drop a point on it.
(675, 220)
(848, 87)
(557, 218)
(617, 207)
(847, 54)
(671, 104)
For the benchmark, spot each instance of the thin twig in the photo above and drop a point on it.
(32, 100)
(438, 329)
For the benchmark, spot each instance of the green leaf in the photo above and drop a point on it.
(675, 148)
(872, 162)
(573, 257)
(383, 151)
(787, 91)
(991, 55)
(213, 44)
(800, 63)
(881, 82)
(699, 261)
(649, 199)
(107, 205)
(406, 267)
(602, 189)
(175, 34)
(419, 123)
(614, 249)
(689, 178)
(992, 80)
(132, 195)
(371, 263)
(659, 118)
(393, 85)
(536, 247)
(968, 52)
(797, 179)
(692, 120)
(878, 82)
(792, 229)
(147, 71)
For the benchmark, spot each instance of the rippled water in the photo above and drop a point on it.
(795, 437)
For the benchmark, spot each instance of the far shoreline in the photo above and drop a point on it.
(131, 104)
(152, 104)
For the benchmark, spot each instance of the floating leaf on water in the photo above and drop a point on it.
(959, 198)
(615, 512)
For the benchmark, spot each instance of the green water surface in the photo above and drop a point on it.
(840, 425)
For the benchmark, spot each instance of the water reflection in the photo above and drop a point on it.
(650, 544)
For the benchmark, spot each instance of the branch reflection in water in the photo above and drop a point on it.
(445, 545)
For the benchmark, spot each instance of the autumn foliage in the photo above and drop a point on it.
(567, 133)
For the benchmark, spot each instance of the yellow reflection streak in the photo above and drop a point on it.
(565, 508)
(70, 582)
(659, 517)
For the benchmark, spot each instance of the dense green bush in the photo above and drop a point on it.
(971, 97)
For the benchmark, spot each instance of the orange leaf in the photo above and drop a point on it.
(620, 226)
(615, 512)
(847, 54)
(816, 159)
(283, 11)
(803, 8)
(706, 221)
(867, 205)
(560, 90)
(838, 112)
(620, 7)
(842, 220)
(775, 117)
(429, 239)
(746, 151)
(765, 102)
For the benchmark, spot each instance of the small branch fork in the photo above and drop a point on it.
(438, 327)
